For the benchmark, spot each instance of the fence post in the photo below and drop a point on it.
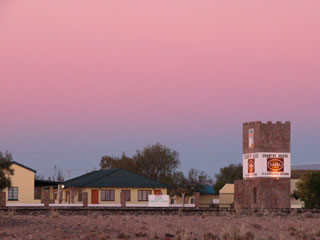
(73, 193)
(85, 199)
(196, 199)
(3, 199)
(123, 199)
(60, 193)
(46, 197)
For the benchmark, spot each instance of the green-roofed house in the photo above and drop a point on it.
(105, 187)
(208, 198)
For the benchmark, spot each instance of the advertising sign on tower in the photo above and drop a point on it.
(250, 165)
(263, 164)
(275, 164)
(251, 138)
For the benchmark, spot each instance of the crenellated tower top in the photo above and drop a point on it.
(266, 137)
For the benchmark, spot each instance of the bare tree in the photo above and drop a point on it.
(194, 182)
(57, 175)
(39, 177)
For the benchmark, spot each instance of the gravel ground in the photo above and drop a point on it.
(207, 226)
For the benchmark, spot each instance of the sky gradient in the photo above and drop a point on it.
(82, 79)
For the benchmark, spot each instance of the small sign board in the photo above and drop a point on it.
(251, 137)
(215, 201)
(159, 201)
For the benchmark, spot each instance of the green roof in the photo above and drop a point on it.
(207, 190)
(112, 178)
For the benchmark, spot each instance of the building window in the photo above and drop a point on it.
(172, 201)
(254, 195)
(13, 194)
(80, 196)
(192, 201)
(107, 195)
(143, 195)
(127, 195)
(37, 193)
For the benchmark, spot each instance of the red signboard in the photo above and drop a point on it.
(275, 164)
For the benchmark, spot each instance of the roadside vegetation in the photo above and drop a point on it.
(5, 170)
(245, 225)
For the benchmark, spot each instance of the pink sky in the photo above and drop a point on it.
(102, 77)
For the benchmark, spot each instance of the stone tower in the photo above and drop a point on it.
(266, 166)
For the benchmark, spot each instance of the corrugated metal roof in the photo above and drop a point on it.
(42, 183)
(207, 189)
(113, 178)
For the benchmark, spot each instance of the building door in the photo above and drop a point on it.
(94, 196)
(68, 196)
(157, 192)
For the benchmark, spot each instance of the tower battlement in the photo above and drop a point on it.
(266, 137)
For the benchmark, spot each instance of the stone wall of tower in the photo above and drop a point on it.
(262, 193)
(263, 189)
(268, 137)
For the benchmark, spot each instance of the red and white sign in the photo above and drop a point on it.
(275, 164)
(263, 164)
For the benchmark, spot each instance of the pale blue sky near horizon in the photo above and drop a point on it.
(203, 152)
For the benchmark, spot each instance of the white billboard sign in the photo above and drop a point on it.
(266, 165)
(159, 201)
(215, 201)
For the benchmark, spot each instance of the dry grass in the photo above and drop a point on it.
(260, 226)
(11, 213)
(54, 213)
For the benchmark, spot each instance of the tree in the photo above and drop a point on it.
(227, 175)
(157, 162)
(197, 180)
(160, 163)
(5, 170)
(125, 162)
(308, 190)
(39, 177)
(178, 183)
(60, 177)
(194, 182)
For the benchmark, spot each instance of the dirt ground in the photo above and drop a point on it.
(207, 226)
